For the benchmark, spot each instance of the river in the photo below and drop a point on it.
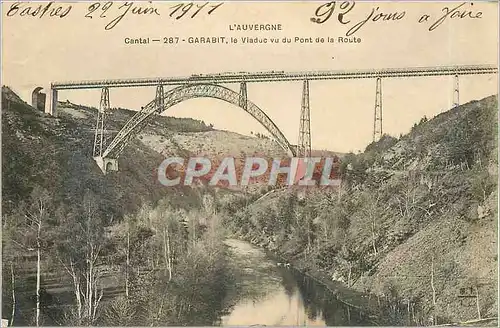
(274, 295)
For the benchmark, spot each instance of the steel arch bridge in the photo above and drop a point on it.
(209, 85)
(186, 92)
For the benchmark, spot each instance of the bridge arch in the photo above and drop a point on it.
(38, 99)
(186, 92)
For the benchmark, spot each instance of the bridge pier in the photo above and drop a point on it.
(51, 102)
(456, 92)
(304, 145)
(99, 127)
(159, 99)
(106, 164)
(38, 99)
(243, 95)
(377, 116)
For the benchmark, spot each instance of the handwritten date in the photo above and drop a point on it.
(184, 8)
(102, 9)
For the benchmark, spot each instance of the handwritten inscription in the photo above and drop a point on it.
(185, 8)
(458, 12)
(113, 12)
(129, 8)
(324, 12)
(101, 10)
(342, 11)
(51, 10)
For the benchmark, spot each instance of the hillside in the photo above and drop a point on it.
(414, 221)
(56, 153)
(48, 161)
(445, 172)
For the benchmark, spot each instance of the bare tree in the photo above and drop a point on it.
(372, 211)
(208, 201)
(167, 251)
(10, 253)
(93, 249)
(127, 264)
(124, 249)
(406, 200)
(26, 232)
(80, 241)
(477, 304)
(164, 221)
(13, 281)
(433, 291)
(476, 283)
(346, 259)
(36, 214)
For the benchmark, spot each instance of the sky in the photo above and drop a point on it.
(39, 50)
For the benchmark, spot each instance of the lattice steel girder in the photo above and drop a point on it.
(283, 76)
(185, 92)
(243, 95)
(304, 144)
(98, 137)
(377, 118)
(160, 94)
(104, 108)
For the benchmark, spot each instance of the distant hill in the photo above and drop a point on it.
(175, 136)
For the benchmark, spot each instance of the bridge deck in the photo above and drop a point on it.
(275, 76)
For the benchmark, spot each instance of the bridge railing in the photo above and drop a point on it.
(282, 76)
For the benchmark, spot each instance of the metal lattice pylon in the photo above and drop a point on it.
(377, 116)
(243, 95)
(100, 129)
(159, 99)
(304, 145)
(456, 92)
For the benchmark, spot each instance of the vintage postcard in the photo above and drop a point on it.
(249, 163)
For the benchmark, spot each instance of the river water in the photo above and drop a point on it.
(273, 295)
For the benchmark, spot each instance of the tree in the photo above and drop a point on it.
(25, 231)
(36, 214)
(81, 239)
(433, 291)
(475, 283)
(10, 253)
(120, 312)
(209, 202)
(124, 247)
(285, 214)
(346, 257)
(167, 224)
(305, 226)
(371, 209)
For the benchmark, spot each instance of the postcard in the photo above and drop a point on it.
(227, 163)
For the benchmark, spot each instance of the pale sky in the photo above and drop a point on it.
(38, 51)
